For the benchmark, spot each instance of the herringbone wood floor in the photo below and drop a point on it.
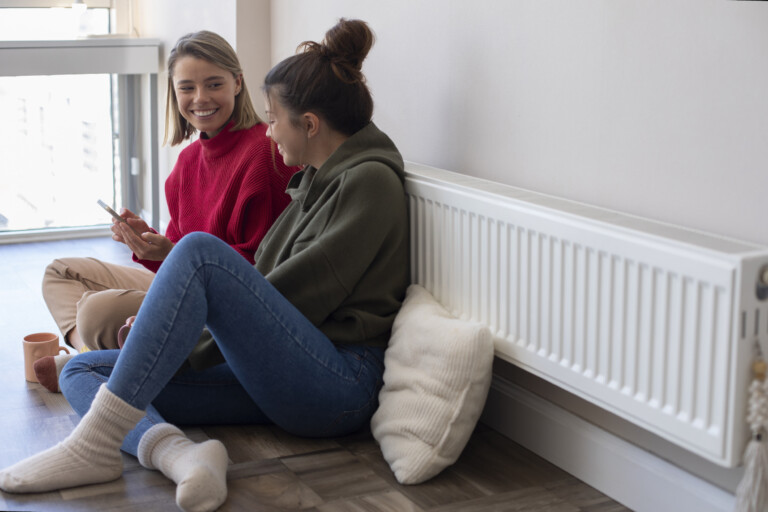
(269, 469)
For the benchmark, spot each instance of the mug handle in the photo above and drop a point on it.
(65, 349)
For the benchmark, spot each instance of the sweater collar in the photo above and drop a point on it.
(221, 143)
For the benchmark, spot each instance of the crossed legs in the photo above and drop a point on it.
(283, 368)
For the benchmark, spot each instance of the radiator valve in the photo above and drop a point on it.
(762, 284)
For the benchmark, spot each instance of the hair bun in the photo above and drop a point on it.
(350, 40)
(345, 46)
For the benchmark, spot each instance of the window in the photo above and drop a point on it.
(57, 147)
(72, 107)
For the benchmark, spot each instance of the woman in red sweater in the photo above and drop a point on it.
(230, 182)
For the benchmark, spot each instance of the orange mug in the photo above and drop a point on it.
(36, 346)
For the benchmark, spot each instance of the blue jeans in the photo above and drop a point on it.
(279, 367)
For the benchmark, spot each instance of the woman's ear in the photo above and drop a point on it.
(238, 84)
(311, 124)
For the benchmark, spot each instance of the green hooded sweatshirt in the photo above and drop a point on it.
(340, 250)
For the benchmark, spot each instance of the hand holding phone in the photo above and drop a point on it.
(116, 215)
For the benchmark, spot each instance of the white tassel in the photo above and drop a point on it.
(752, 493)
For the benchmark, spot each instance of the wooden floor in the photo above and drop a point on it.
(269, 469)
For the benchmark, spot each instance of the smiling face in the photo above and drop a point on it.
(291, 139)
(205, 94)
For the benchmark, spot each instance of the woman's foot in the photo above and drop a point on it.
(89, 455)
(199, 470)
(47, 370)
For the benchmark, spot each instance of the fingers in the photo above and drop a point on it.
(128, 214)
(138, 224)
(131, 239)
(117, 233)
(149, 246)
(153, 238)
(129, 232)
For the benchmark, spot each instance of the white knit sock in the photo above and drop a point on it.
(89, 455)
(199, 470)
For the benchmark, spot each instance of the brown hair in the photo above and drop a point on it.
(326, 78)
(215, 49)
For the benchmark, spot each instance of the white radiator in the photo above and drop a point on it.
(652, 322)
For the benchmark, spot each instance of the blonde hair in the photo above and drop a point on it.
(215, 49)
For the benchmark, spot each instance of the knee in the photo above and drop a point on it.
(64, 272)
(195, 240)
(54, 272)
(196, 244)
(66, 268)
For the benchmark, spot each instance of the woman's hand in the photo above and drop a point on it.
(149, 246)
(134, 220)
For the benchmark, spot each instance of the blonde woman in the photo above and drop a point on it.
(230, 182)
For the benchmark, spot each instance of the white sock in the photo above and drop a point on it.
(89, 455)
(199, 470)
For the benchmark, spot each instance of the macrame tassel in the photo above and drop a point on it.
(752, 493)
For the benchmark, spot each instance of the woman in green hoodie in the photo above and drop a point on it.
(298, 338)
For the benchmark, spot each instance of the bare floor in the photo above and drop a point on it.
(270, 470)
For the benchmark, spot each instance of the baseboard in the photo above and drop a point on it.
(628, 474)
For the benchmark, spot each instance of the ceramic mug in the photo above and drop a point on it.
(36, 346)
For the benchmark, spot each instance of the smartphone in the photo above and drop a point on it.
(116, 215)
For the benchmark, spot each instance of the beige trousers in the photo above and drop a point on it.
(95, 296)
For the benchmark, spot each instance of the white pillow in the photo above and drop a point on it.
(436, 380)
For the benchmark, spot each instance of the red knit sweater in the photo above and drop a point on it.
(231, 186)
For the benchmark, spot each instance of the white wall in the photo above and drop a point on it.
(651, 107)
